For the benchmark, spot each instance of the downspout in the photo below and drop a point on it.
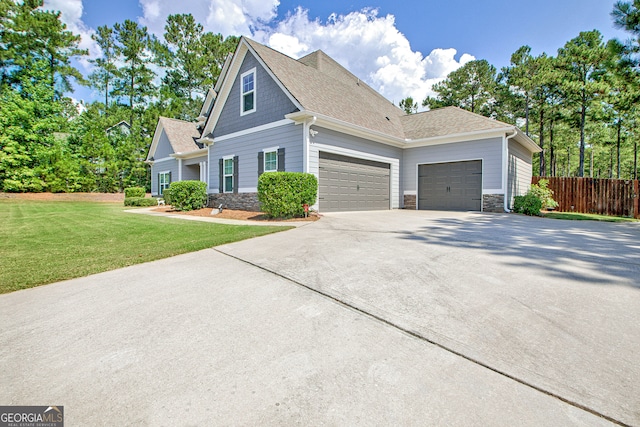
(307, 128)
(505, 175)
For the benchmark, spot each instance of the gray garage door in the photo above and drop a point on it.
(350, 184)
(450, 186)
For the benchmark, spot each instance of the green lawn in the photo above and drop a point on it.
(586, 217)
(45, 242)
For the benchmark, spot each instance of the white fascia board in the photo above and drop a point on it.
(526, 142)
(156, 138)
(224, 85)
(459, 137)
(190, 154)
(229, 78)
(249, 131)
(346, 127)
(354, 130)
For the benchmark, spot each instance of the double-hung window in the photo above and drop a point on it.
(271, 161)
(228, 175)
(248, 92)
(164, 180)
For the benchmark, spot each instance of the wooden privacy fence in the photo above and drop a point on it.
(616, 197)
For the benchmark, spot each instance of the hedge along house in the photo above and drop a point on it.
(269, 112)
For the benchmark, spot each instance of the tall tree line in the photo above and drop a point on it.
(47, 143)
(580, 106)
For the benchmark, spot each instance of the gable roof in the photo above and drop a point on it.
(322, 88)
(447, 121)
(182, 136)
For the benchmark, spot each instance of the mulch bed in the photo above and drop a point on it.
(234, 214)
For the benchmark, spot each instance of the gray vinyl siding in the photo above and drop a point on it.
(195, 160)
(157, 167)
(520, 170)
(247, 147)
(271, 102)
(190, 172)
(164, 148)
(487, 150)
(358, 147)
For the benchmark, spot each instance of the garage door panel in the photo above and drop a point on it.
(450, 186)
(359, 184)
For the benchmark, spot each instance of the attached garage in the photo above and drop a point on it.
(351, 184)
(450, 186)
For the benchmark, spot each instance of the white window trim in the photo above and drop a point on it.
(160, 190)
(264, 159)
(243, 93)
(225, 175)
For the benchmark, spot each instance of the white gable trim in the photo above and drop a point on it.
(154, 143)
(230, 77)
(249, 131)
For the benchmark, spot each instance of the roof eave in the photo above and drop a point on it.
(190, 154)
(346, 127)
(458, 137)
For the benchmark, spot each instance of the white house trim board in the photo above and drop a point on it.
(393, 163)
(229, 78)
(245, 132)
(254, 90)
(164, 159)
(493, 191)
(179, 169)
(190, 154)
(156, 139)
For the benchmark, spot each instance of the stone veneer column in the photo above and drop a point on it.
(493, 203)
(409, 201)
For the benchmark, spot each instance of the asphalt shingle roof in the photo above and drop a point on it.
(323, 86)
(181, 134)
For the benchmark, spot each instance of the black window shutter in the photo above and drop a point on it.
(221, 175)
(260, 163)
(281, 159)
(235, 174)
(159, 189)
(169, 177)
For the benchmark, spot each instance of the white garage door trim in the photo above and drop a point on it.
(451, 161)
(393, 162)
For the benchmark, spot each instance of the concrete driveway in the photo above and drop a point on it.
(372, 318)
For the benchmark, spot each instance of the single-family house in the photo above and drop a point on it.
(270, 112)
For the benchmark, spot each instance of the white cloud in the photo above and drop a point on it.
(71, 15)
(228, 17)
(368, 45)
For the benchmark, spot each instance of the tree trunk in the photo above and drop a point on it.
(552, 157)
(618, 147)
(568, 161)
(635, 160)
(542, 153)
(526, 115)
(583, 119)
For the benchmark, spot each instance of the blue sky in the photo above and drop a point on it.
(400, 48)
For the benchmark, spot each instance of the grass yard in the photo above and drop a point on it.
(586, 217)
(45, 242)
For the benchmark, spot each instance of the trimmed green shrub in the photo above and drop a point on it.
(140, 201)
(188, 195)
(283, 194)
(134, 192)
(542, 191)
(166, 196)
(528, 205)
